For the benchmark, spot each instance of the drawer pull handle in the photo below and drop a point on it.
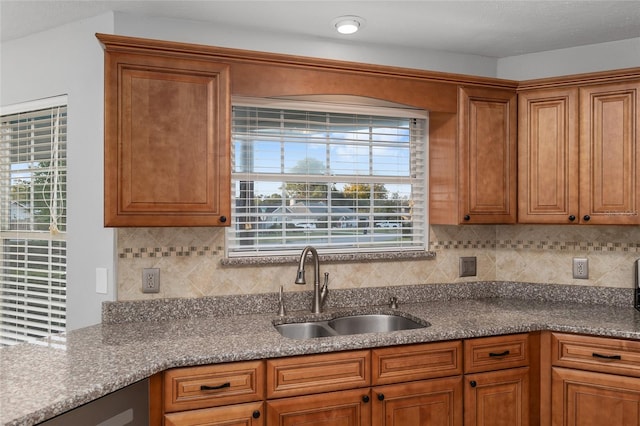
(597, 355)
(222, 386)
(505, 353)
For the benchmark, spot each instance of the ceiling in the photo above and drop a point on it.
(489, 28)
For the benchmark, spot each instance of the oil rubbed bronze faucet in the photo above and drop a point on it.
(319, 296)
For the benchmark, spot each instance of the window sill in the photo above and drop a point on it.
(339, 257)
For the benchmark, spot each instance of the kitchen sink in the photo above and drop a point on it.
(349, 324)
(372, 323)
(305, 330)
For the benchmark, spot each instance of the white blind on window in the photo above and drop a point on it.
(341, 181)
(33, 223)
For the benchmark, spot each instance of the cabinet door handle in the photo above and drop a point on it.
(380, 397)
(572, 218)
(222, 386)
(597, 355)
(498, 354)
(365, 398)
(586, 217)
(256, 414)
(467, 217)
(473, 383)
(223, 219)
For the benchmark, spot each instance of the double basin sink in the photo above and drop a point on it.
(348, 325)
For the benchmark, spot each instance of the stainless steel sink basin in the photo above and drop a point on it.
(372, 323)
(350, 324)
(305, 330)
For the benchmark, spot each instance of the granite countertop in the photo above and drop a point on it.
(43, 379)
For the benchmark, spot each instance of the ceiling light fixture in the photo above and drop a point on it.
(348, 24)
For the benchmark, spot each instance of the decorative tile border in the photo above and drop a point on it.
(150, 252)
(538, 245)
(584, 246)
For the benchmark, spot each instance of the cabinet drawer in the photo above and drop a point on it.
(496, 353)
(251, 414)
(213, 385)
(317, 373)
(601, 354)
(416, 362)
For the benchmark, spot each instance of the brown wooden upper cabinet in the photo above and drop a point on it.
(579, 157)
(487, 155)
(167, 138)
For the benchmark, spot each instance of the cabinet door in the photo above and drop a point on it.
(610, 154)
(167, 141)
(497, 398)
(436, 402)
(343, 408)
(548, 156)
(582, 398)
(487, 133)
(232, 415)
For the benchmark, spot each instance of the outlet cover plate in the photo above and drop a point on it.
(151, 280)
(468, 266)
(580, 268)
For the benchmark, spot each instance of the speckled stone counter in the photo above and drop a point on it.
(44, 379)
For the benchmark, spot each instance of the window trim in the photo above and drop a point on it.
(50, 238)
(347, 105)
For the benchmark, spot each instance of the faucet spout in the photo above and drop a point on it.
(319, 295)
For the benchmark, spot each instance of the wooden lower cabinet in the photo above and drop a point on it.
(234, 415)
(584, 398)
(436, 402)
(342, 408)
(497, 398)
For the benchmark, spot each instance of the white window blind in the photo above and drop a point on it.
(342, 181)
(33, 164)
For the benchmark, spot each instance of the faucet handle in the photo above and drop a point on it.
(326, 280)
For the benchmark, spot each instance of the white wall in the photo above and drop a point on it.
(576, 60)
(205, 33)
(68, 60)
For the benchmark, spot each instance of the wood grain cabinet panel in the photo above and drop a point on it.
(342, 408)
(583, 398)
(487, 142)
(548, 175)
(579, 155)
(167, 139)
(318, 373)
(235, 415)
(496, 353)
(213, 385)
(416, 362)
(610, 153)
(435, 402)
(603, 354)
(497, 398)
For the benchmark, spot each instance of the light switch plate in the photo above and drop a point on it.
(102, 284)
(468, 266)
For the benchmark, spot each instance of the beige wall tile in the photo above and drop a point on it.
(189, 260)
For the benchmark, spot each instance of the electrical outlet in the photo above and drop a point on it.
(468, 266)
(151, 280)
(580, 268)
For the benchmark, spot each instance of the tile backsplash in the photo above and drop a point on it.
(189, 260)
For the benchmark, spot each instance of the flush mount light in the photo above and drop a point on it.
(348, 24)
